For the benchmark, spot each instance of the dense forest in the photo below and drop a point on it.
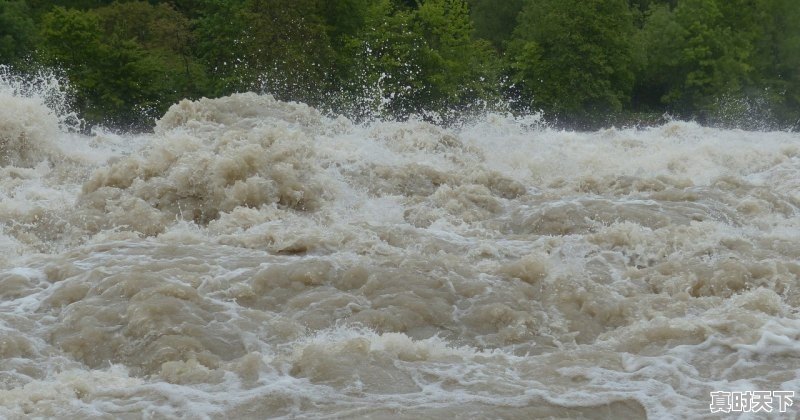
(583, 63)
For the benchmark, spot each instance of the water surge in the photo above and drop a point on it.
(255, 258)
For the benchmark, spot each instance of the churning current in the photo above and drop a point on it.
(254, 258)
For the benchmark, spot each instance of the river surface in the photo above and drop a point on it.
(254, 258)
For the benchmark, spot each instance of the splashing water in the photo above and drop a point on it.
(255, 258)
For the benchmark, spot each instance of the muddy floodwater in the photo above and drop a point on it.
(253, 258)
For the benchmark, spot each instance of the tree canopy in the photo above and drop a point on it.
(584, 63)
(574, 58)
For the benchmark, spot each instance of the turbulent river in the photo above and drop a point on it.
(254, 258)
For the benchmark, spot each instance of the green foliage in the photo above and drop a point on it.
(289, 48)
(220, 31)
(166, 38)
(44, 6)
(17, 31)
(346, 18)
(274, 45)
(495, 20)
(421, 60)
(395, 57)
(461, 71)
(715, 59)
(114, 75)
(574, 58)
(72, 39)
(658, 57)
(733, 62)
(776, 59)
(714, 56)
(644, 5)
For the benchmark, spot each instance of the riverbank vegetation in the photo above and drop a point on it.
(583, 63)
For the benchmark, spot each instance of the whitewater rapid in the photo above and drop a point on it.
(254, 258)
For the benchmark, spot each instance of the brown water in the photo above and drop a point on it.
(252, 259)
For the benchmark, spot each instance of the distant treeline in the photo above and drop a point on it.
(584, 63)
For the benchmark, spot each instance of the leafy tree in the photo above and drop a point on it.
(406, 4)
(660, 59)
(699, 55)
(17, 31)
(72, 39)
(113, 77)
(280, 46)
(714, 56)
(464, 70)
(346, 18)
(574, 58)
(44, 6)
(495, 20)
(221, 31)
(578, 60)
(394, 56)
(414, 61)
(165, 37)
(776, 59)
(644, 5)
(290, 48)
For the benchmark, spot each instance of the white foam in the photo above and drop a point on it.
(252, 256)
